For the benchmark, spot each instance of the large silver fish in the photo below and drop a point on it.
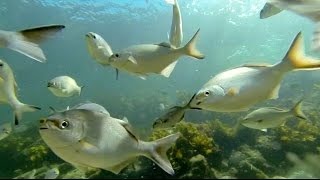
(89, 138)
(8, 92)
(176, 34)
(307, 8)
(240, 88)
(271, 117)
(160, 58)
(27, 41)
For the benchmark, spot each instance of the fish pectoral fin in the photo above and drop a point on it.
(132, 59)
(166, 72)
(87, 145)
(264, 130)
(275, 92)
(164, 44)
(117, 168)
(129, 129)
(232, 91)
(257, 65)
(125, 119)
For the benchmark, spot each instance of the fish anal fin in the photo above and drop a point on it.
(275, 92)
(232, 91)
(118, 168)
(166, 72)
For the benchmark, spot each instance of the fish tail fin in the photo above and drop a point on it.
(269, 10)
(297, 110)
(158, 150)
(190, 48)
(315, 45)
(27, 41)
(296, 59)
(20, 109)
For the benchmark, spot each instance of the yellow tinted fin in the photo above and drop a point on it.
(296, 58)
(257, 65)
(275, 92)
(297, 110)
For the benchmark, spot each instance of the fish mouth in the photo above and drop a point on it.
(43, 128)
(198, 103)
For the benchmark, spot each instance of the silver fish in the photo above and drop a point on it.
(87, 138)
(271, 117)
(306, 8)
(8, 92)
(240, 88)
(98, 48)
(64, 86)
(172, 117)
(27, 41)
(160, 58)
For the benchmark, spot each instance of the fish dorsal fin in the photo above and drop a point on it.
(168, 70)
(257, 65)
(117, 168)
(164, 44)
(128, 128)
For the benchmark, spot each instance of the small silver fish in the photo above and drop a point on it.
(27, 41)
(240, 88)
(172, 117)
(8, 92)
(64, 86)
(98, 48)
(306, 8)
(271, 117)
(89, 138)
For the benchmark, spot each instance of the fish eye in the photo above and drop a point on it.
(64, 124)
(207, 93)
(94, 37)
(1, 64)
(117, 55)
(259, 120)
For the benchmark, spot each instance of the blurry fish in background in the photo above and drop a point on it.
(27, 41)
(52, 173)
(176, 34)
(88, 138)
(64, 86)
(271, 117)
(306, 8)
(8, 92)
(98, 48)
(5, 130)
(240, 88)
(172, 117)
(140, 60)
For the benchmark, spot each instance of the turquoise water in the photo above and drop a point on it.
(231, 34)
